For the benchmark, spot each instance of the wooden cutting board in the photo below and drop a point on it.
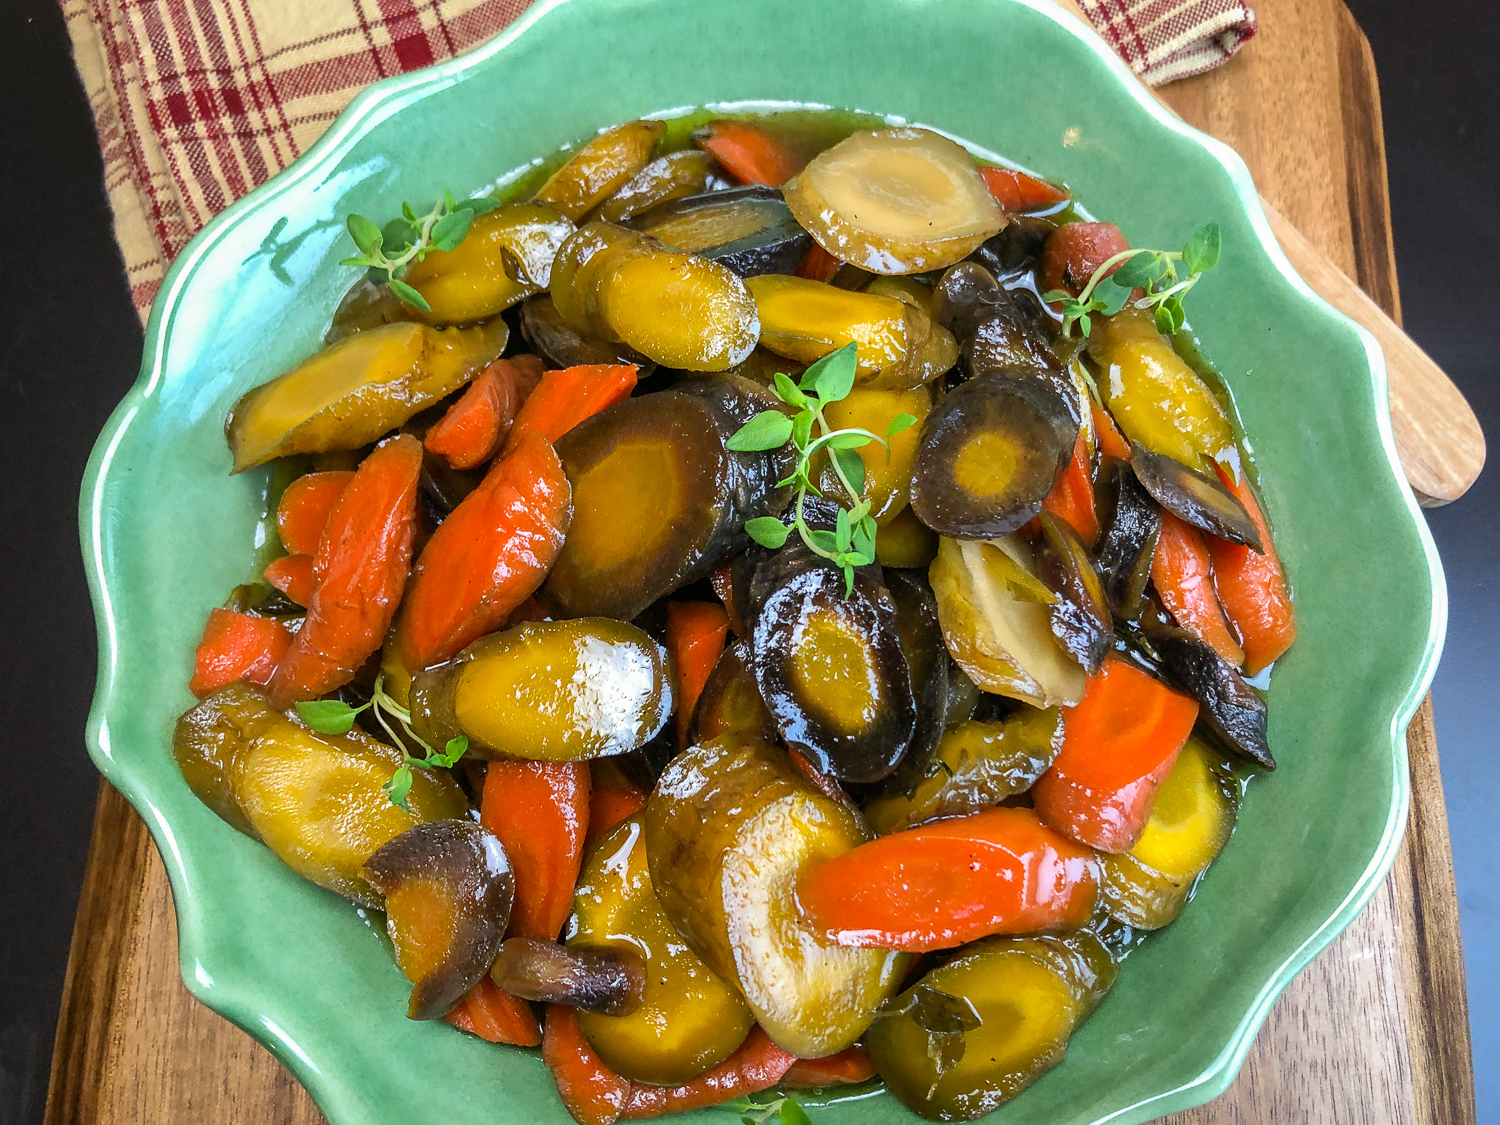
(1375, 1030)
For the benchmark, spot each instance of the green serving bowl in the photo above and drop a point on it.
(167, 531)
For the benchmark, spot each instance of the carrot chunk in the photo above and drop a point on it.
(496, 1016)
(488, 556)
(590, 1092)
(608, 807)
(818, 265)
(1072, 497)
(820, 780)
(540, 812)
(529, 610)
(1183, 577)
(237, 646)
(564, 398)
(1119, 744)
(1107, 434)
(748, 153)
(595, 1095)
(1252, 586)
(293, 576)
(359, 573)
(757, 1064)
(849, 1066)
(695, 637)
(1016, 191)
(1074, 251)
(476, 426)
(305, 507)
(1001, 871)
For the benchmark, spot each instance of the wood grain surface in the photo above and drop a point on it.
(1374, 1031)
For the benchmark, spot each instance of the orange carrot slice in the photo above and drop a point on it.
(488, 556)
(1252, 586)
(1107, 434)
(1001, 871)
(1016, 191)
(590, 1092)
(496, 1016)
(818, 265)
(475, 427)
(1184, 580)
(695, 637)
(293, 576)
(1072, 497)
(237, 646)
(820, 780)
(540, 812)
(757, 1064)
(595, 1095)
(305, 507)
(359, 574)
(1074, 252)
(849, 1066)
(748, 153)
(608, 807)
(1119, 744)
(564, 398)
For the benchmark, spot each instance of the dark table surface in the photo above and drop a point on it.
(70, 344)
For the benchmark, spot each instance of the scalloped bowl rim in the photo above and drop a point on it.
(388, 96)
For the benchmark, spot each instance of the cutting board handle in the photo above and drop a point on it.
(1438, 437)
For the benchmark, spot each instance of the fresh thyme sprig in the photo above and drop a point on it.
(851, 543)
(334, 716)
(780, 1107)
(394, 247)
(1154, 271)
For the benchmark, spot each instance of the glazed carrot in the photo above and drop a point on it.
(595, 1095)
(590, 1092)
(1184, 581)
(1252, 586)
(305, 507)
(722, 580)
(747, 152)
(496, 1016)
(1107, 434)
(818, 265)
(540, 812)
(1119, 744)
(1001, 871)
(564, 398)
(1072, 495)
(607, 807)
(1016, 191)
(237, 646)
(1074, 251)
(757, 1064)
(293, 576)
(359, 573)
(695, 640)
(475, 426)
(529, 610)
(488, 556)
(820, 780)
(849, 1066)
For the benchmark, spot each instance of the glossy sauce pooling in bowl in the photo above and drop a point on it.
(831, 591)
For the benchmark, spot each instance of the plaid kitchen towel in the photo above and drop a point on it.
(198, 101)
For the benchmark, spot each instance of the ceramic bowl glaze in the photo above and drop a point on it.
(166, 531)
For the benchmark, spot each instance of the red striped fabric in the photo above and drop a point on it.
(198, 101)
